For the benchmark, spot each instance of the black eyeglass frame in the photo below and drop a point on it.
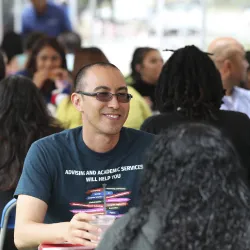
(95, 94)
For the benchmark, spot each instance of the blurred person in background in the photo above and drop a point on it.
(71, 118)
(12, 45)
(146, 67)
(71, 41)
(46, 17)
(246, 84)
(193, 196)
(2, 66)
(190, 89)
(230, 59)
(48, 70)
(21, 59)
(23, 119)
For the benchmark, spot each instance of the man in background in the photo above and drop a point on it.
(46, 17)
(230, 59)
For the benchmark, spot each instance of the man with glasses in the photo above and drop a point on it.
(71, 175)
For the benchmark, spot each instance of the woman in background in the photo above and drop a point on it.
(146, 67)
(23, 120)
(193, 196)
(47, 68)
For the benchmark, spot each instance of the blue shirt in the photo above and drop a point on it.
(52, 22)
(63, 172)
(239, 101)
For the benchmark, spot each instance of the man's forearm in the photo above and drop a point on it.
(33, 234)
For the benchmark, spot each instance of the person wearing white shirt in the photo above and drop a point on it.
(230, 59)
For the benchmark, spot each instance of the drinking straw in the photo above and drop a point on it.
(104, 198)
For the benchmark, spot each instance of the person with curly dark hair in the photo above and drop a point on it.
(23, 120)
(193, 196)
(190, 89)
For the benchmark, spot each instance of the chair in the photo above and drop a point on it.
(7, 220)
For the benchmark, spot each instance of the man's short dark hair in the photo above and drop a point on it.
(79, 81)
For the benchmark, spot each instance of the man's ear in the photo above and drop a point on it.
(226, 68)
(76, 99)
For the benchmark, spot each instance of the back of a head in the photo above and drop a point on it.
(193, 179)
(71, 41)
(24, 118)
(20, 103)
(191, 84)
(87, 56)
(12, 44)
(31, 39)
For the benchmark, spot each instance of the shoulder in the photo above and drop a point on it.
(233, 116)
(28, 10)
(133, 134)
(24, 72)
(156, 123)
(61, 139)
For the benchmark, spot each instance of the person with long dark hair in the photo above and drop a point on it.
(146, 66)
(190, 89)
(23, 119)
(193, 196)
(47, 68)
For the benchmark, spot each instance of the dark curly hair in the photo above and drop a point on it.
(137, 58)
(190, 83)
(193, 181)
(24, 118)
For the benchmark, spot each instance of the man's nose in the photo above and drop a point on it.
(113, 103)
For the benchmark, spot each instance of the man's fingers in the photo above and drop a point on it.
(83, 217)
(86, 226)
(85, 235)
(84, 242)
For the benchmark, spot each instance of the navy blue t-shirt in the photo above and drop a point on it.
(63, 172)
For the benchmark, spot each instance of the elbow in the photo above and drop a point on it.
(18, 240)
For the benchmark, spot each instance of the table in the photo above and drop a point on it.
(62, 247)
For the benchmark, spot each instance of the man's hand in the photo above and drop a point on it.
(80, 231)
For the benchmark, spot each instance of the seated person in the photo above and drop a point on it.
(23, 120)
(193, 196)
(139, 111)
(47, 68)
(190, 89)
(71, 168)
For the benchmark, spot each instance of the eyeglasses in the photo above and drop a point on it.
(107, 96)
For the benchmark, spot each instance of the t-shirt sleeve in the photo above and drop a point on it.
(36, 179)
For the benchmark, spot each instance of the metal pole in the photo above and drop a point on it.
(18, 15)
(159, 29)
(1, 21)
(92, 8)
(204, 24)
(73, 12)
